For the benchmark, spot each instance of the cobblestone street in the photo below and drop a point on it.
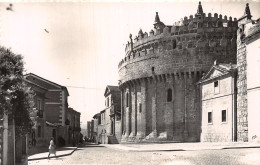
(98, 154)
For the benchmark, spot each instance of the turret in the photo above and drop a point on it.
(247, 12)
(199, 10)
(157, 18)
(158, 25)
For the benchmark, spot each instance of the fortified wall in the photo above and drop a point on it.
(248, 81)
(157, 77)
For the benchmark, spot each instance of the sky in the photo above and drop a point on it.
(86, 40)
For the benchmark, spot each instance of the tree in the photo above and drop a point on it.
(16, 98)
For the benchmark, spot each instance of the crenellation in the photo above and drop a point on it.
(225, 18)
(215, 15)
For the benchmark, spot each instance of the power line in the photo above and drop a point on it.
(85, 88)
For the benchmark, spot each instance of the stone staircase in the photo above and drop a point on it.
(112, 140)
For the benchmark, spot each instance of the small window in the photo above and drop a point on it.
(99, 119)
(216, 87)
(152, 69)
(169, 95)
(39, 131)
(127, 97)
(210, 117)
(174, 44)
(224, 116)
(140, 108)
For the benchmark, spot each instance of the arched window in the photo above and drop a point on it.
(169, 95)
(127, 97)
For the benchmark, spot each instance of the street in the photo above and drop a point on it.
(98, 154)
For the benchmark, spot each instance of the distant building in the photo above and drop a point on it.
(102, 127)
(94, 127)
(89, 131)
(74, 126)
(113, 113)
(107, 124)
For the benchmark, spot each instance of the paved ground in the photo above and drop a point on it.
(102, 154)
(65, 151)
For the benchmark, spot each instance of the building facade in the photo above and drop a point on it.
(160, 100)
(37, 137)
(218, 98)
(74, 126)
(94, 127)
(113, 113)
(89, 131)
(55, 108)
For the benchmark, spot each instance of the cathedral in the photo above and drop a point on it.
(160, 75)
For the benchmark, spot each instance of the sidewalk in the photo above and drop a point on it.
(60, 152)
(182, 146)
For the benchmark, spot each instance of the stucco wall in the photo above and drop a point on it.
(217, 131)
(253, 88)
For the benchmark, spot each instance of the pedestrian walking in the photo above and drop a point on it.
(52, 148)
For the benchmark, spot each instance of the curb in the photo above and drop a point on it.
(227, 148)
(54, 156)
(179, 149)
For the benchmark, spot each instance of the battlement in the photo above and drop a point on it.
(197, 24)
(191, 44)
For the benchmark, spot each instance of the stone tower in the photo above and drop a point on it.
(158, 76)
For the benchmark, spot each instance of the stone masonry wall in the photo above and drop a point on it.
(242, 112)
(175, 120)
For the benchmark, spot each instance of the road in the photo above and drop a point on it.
(96, 154)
